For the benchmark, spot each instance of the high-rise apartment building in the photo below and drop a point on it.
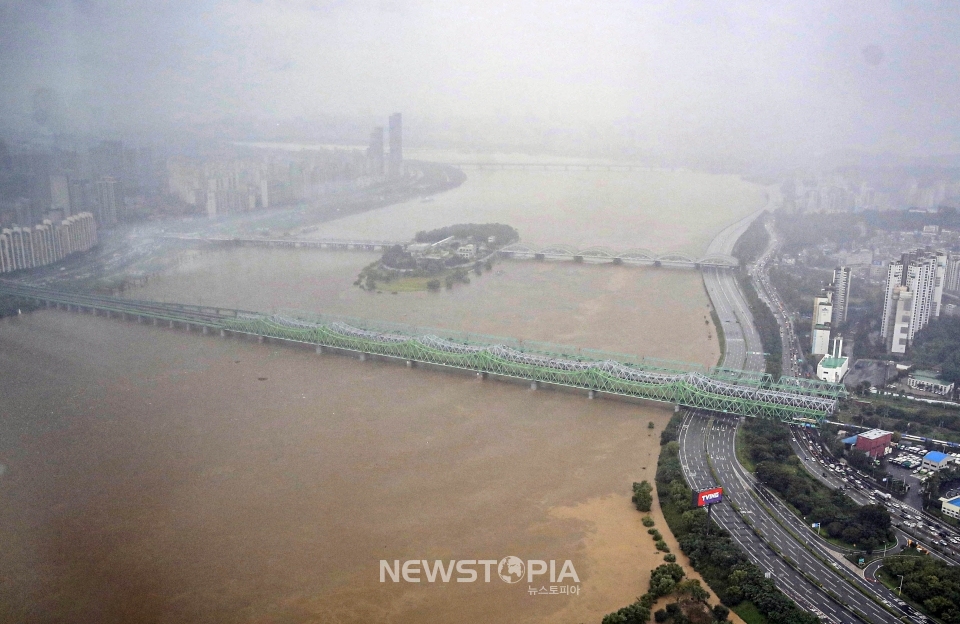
(841, 297)
(395, 164)
(109, 201)
(820, 329)
(914, 290)
(952, 282)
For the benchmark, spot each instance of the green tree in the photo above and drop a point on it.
(642, 497)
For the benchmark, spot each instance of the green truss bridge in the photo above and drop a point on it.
(716, 389)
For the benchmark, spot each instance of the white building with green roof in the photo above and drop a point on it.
(834, 366)
(929, 381)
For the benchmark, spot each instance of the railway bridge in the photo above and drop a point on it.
(716, 389)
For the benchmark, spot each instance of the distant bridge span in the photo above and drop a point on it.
(716, 389)
(548, 166)
(630, 256)
(520, 251)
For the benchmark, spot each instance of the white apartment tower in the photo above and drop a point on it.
(820, 329)
(914, 290)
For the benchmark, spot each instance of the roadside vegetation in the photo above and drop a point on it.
(752, 242)
(739, 584)
(767, 444)
(930, 583)
(895, 413)
(938, 346)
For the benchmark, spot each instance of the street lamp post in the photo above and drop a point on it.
(901, 584)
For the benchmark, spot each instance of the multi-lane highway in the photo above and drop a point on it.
(771, 535)
(743, 348)
(700, 435)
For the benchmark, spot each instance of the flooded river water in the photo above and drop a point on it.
(158, 476)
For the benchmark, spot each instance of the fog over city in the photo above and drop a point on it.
(751, 81)
(421, 312)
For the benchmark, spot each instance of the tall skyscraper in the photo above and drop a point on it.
(820, 329)
(914, 291)
(841, 298)
(375, 151)
(395, 164)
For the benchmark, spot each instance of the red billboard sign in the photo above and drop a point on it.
(705, 498)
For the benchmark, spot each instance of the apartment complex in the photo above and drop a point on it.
(46, 243)
(914, 289)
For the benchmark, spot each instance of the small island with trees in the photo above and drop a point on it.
(437, 258)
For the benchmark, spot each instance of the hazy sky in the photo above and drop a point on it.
(805, 75)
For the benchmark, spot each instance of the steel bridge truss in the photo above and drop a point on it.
(718, 390)
(688, 388)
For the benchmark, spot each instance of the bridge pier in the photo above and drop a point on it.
(319, 348)
(592, 394)
(139, 319)
(259, 339)
(534, 385)
(481, 376)
(363, 357)
(205, 330)
(171, 324)
(409, 363)
(156, 322)
(223, 333)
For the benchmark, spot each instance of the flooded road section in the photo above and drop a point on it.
(652, 312)
(156, 475)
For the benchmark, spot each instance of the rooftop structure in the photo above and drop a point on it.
(935, 460)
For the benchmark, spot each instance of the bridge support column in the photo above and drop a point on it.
(409, 363)
(481, 376)
(363, 357)
(223, 333)
(534, 385)
(205, 330)
(592, 394)
(319, 348)
(171, 324)
(156, 322)
(139, 319)
(259, 339)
